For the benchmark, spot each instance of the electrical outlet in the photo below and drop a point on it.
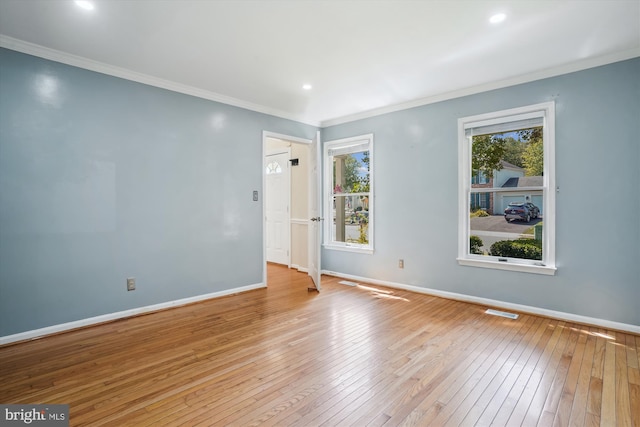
(400, 263)
(255, 196)
(131, 283)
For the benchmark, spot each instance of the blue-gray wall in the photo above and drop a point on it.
(598, 206)
(102, 178)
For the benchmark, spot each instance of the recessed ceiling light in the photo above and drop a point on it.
(86, 5)
(497, 18)
(307, 86)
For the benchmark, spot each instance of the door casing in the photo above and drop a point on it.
(288, 138)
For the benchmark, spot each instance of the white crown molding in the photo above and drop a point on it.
(91, 321)
(526, 78)
(576, 318)
(88, 64)
(123, 73)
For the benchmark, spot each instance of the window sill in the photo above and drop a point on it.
(349, 248)
(498, 265)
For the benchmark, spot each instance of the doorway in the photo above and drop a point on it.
(286, 163)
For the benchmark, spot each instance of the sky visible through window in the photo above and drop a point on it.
(362, 169)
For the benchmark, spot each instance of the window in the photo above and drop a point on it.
(273, 168)
(479, 178)
(349, 194)
(506, 190)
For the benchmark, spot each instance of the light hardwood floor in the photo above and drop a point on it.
(362, 356)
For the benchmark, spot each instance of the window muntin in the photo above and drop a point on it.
(513, 151)
(349, 204)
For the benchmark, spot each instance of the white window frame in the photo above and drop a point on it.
(545, 111)
(329, 243)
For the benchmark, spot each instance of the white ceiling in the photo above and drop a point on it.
(362, 57)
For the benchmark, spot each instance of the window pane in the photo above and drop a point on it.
(351, 219)
(351, 173)
(273, 168)
(505, 202)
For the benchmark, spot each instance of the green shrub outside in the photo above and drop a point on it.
(520, 248)
(478, 213)
(475, 245)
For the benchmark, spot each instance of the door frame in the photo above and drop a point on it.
(288, 138)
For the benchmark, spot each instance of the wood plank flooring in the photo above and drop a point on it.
(348, 356)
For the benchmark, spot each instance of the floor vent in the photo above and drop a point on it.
(502, 314)
(348, 283)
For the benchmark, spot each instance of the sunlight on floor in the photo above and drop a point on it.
(595, 334)
(379, 293)
(598, 334)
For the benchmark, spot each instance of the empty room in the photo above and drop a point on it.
(320, 213)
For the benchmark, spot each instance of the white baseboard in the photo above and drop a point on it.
(38, 333)
(300, 269)
(603, 323)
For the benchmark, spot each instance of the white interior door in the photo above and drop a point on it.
(277, 207)
(315, 211)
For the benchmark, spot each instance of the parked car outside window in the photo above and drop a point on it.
(521, 211)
